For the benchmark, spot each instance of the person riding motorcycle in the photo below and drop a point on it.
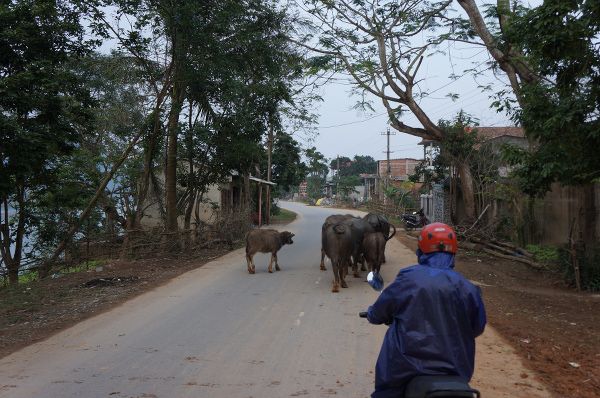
(434, 315)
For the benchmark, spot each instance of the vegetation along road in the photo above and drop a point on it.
(219, 332)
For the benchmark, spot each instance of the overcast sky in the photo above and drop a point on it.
(346, 132)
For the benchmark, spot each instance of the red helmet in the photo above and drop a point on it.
(438, 237)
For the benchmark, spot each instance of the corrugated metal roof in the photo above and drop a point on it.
(260, 181)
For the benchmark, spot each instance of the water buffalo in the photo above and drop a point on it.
(373, 248)
(331, 220)
(337, 245)
(380, 224)
(266, 241)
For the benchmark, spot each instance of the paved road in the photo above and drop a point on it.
(219, 332)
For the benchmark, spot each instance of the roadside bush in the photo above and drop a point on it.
(544, 254)
(589, 267)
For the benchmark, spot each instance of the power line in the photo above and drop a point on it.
(356, 122)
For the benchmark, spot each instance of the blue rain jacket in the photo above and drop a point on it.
(435, 315)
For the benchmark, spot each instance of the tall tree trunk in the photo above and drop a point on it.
(513, 63)
(466, 185)
(13, 261)
(247, 190)
(149, 149)
(589, 219)
(177, 95)
(190, 183)
(269, 166)
(144, 184)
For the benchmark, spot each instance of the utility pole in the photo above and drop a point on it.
(337, 185)
(389, 168)
(269, 167)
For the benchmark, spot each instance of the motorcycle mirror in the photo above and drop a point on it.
(375, 280)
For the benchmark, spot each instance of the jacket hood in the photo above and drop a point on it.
(436, 259)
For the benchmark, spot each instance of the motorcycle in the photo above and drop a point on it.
(415, 220)
(428, 386)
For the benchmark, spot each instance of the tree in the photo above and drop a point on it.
(551, 57)
(363, 165)
(344, 164)
(44, 107)
(378, 45)
(288, 169)
(317, 172)
(346, 185)
(229, 60)
(566, 102)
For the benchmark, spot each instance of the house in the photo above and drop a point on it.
(435, 202)
(369, 183)
(497, 137)
(399, 169)
(227, 197)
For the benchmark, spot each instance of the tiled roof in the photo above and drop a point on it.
(495, 132)
(489, 133)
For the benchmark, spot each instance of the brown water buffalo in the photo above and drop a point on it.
(380, 224)
(373, 248)
(266, 241)
(337, 245)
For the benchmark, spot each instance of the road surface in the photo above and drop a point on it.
(219, 332)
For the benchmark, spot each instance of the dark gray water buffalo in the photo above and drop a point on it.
(266, 241)
(373, 249)
(331, 220)
(336, 239)
(380, 224)
(357, 227)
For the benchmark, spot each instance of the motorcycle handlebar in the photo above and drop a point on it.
(362, 314)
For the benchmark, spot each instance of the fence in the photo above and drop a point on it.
(227, 228)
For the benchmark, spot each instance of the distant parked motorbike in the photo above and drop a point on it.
(428, 386)
(414, 220)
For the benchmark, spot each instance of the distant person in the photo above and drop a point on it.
(434, 315)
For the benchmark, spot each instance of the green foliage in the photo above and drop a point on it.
(317, 163)
(288, 169)
(560, 111)
(44, 105)
(544, 254)
(84, 266)
(28, 277)
(314, 188)
(45, 108)
(283, 216)
(345, 185)
(354, 167)
(401, 196)
(589, 266)
(317, 172)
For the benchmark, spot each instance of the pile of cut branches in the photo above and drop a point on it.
(501, 249)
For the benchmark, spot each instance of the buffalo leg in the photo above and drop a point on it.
(250, 262)
(276, 262)
(343, 271)
(323, 260)
(271, 263)
(336, 277)
(362, 263)
(355, 267)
